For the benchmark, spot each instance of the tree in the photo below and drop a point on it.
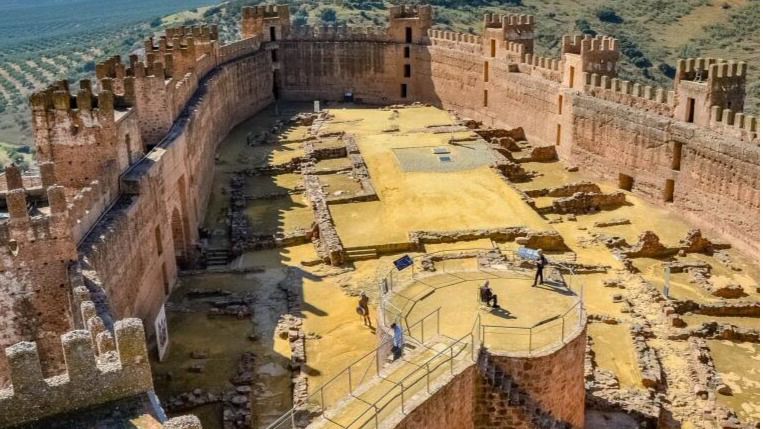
(607, 14)
(328, 15)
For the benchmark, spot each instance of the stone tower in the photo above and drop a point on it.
(515, 32)
(75, 132)
(707, 88)
(588, 55)
(37, 253)
(409, 24)
(272, 21)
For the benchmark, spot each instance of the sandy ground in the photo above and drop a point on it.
(468, 198)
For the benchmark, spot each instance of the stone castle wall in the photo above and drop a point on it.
(608, 127)
(327, 69)
(117, 369)
(450, 407)
(553, 383)
(134, 152)
(165, 191)
(546, 389)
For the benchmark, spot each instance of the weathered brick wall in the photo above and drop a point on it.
(120, 255)
(716, 186)
(311, 70)
(455, 80)
(116, 369)
(553, 382)
(34, 283)
(448, 408)
(716, 183)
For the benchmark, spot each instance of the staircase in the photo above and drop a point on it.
(361, 252)
(389, 393)
(217, 257)
(502, 382)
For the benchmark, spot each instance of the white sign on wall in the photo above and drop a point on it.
(316, 106)
(162, 336)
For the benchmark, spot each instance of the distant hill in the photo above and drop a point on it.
(46, 40)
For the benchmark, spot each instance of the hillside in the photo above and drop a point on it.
(48, 40)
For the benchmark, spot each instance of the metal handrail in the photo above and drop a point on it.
(540, 326)
(413, 382)
(319, 393)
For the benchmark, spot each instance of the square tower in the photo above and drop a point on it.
(409, 24)
(516, 32)
(271, 21)
(588, 55)
(702, 83)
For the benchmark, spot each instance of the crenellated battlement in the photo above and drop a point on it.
(582, 45)
(255, 18)
(93, 376)
(423, 12)
(736, 124)
(337, 32)
(265, 11)
(28, 223)
(511, 31)
(656, 100)
(542, 62)
(704, 69)
(492, 20)
(536, 65)
(58, 97)
(454, 36)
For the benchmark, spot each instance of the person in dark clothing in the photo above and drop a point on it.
(540, 263)
(487, 296)
(363, 309)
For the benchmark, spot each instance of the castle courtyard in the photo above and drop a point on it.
(279, 226)
(418, 192)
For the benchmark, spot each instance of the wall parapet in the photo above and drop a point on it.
(337, 32)
(90, 378)
(239, 49)
(656, 100)
(734, 124)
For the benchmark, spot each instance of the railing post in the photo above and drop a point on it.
(438, 320)
(402, 398)
(377, 362)
(530, 349)
(428, 378)
(349, 379)
(451, 360)
(376, 417)
(323, 402)
(422, 329)
(562, 329)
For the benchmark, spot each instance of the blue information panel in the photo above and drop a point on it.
(403, 263)
(527, 253)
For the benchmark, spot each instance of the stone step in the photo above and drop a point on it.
(357, 254)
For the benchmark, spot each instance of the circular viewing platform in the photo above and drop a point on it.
(439, 294)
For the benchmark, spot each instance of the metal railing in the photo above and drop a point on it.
(415, 378)
(528, 340)
(395, 305)
(365, 368)
(359, 404)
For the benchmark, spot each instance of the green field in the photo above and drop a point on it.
(46, 40)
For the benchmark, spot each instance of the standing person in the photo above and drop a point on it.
(540, 263)
(397, 341)
(363, 309)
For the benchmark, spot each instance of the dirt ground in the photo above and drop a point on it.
(455, 198)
